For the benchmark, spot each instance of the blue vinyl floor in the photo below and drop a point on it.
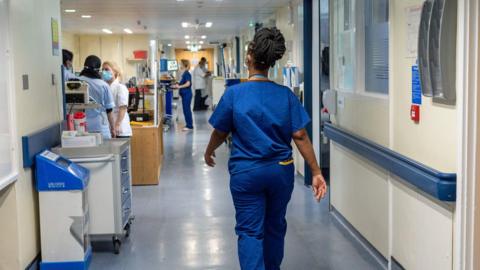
(187, 221)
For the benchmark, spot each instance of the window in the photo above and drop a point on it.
(7, 139)
(344, 42)
(360, 46)
(376, 46)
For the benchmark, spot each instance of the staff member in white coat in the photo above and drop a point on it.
(98, 119)
(200, 75)
(112, 74)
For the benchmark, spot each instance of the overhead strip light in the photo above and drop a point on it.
(107, 31)
(169, 45)
(128, 31)
(70, 10)
(184, 24)
(187, 37)
(204, 37)
(208, 24)
(86, 16)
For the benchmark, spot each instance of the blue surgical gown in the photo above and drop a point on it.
(262, 116)
(100, 93)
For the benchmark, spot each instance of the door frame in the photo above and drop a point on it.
(467, 216)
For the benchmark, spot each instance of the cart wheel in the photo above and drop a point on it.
(116, 245)
(127, 229)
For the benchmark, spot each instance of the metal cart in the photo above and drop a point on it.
(110, 191)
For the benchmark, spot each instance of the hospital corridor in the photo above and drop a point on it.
(239, 135)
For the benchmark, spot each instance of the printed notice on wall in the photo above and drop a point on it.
(414, 14)
(416, 86)
(55, 38)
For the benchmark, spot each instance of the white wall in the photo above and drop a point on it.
(422, 228)
(36, 108)
(396, 218)
(116, 48)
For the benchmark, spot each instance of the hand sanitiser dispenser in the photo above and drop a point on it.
(64, 215)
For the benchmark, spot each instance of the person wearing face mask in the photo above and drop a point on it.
(98, 119)
(67, 65)
(112, 74)
(263, 118)
(185, 88)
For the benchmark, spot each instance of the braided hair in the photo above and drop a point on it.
(267, 47)
(92, 67)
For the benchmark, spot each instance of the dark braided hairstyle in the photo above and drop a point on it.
(92, 67)
(267, 47)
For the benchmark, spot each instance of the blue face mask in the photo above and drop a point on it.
(107, 75)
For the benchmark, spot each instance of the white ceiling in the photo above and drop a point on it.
(163, 18)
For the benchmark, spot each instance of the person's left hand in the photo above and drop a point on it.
(319, 187)
(209, 159)
(175, 86)
(113, 132)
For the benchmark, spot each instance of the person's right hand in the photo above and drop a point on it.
(319, 187)
(209, 159)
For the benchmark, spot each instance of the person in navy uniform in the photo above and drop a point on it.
(263, 118)
(185, 89)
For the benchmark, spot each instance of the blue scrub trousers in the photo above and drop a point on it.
(168, 103)
(186, 104)
(260, 197)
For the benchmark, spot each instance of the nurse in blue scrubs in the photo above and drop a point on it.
(100, 119)
(263, 118)
(185, 89)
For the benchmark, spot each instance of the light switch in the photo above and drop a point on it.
(341, 102)
(25, 83)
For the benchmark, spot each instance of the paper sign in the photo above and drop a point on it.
(55, 38)
(413, 25)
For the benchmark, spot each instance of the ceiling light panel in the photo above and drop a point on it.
(70, 10)
(208, 24)
(128, 31)
(86, 16)
(107, 31)
(185, 24)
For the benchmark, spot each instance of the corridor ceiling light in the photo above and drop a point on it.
(169, 45)
(70, 10)
(184, 24)
(86, 16)
(187, 42)
(128, 31)
(204, 37)
(187, 37)
(201, 42)
(208, 24)
(107, 31)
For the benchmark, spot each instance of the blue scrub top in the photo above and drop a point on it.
(186, 77)
(68, 75)
(97, 120)
(262, 116)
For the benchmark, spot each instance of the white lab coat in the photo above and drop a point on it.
(120, 96)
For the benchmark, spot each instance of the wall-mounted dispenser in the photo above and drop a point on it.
(437, 50)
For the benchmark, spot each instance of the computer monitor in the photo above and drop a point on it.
(172, 65)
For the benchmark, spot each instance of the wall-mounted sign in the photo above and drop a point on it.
(416, 86)
(55, 38)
